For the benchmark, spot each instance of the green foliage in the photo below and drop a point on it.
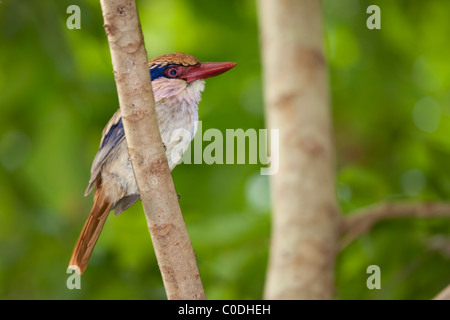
(391, 106)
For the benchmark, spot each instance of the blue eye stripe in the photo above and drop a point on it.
(156, 73)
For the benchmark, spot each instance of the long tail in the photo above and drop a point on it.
(90, 233)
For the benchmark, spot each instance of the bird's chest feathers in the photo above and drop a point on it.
(177, 108)
(176, 118)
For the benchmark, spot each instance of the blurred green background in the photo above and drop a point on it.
(391, 109)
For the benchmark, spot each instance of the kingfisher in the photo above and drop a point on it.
(177, 80)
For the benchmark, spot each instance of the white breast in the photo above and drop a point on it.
(177, 118)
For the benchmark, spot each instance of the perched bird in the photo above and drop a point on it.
(177, 81)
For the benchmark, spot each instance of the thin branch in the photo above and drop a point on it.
(444, 294)
(363, 220)
(173, 249)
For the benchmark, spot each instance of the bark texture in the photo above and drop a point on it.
(305, 216)
(174, 252)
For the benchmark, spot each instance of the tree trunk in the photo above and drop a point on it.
(172, 245)
(305, 216)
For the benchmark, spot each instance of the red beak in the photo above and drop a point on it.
(207, 69)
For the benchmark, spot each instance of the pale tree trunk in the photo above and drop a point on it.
(305, 215)
(444, 294)
(174, 252)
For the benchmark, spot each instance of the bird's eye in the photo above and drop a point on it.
(172, 72)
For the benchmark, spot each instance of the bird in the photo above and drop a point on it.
(177, 80)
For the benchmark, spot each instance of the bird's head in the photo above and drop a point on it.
(182, 75)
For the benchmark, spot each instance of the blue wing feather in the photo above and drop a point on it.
(114, 135)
